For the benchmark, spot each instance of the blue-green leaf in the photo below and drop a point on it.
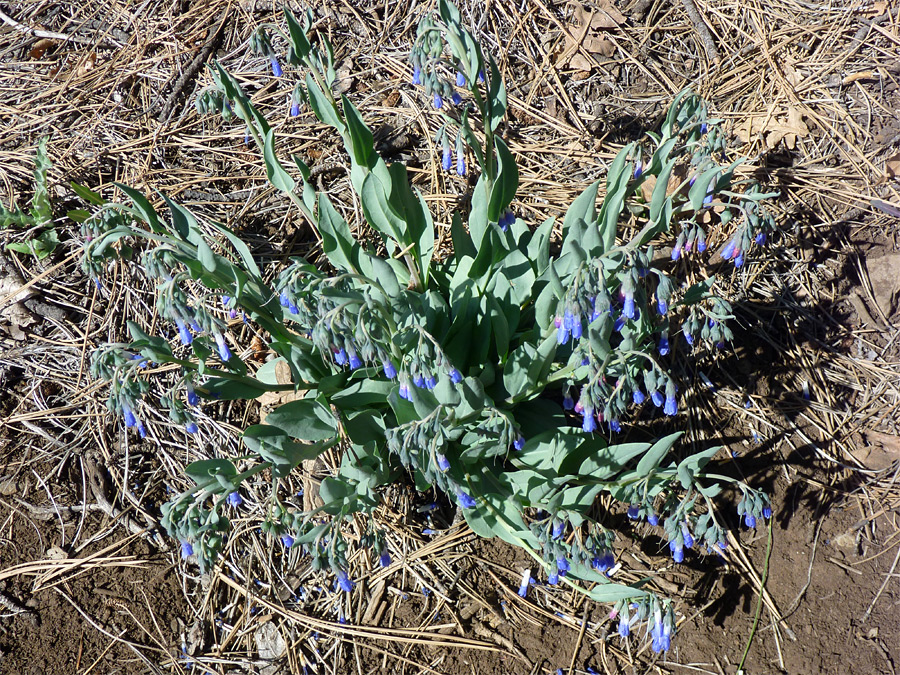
(304, 419)
(274, 170)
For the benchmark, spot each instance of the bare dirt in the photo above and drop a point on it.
(809, 93)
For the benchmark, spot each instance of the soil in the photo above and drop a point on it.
(80, 592)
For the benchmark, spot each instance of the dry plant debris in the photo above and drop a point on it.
(809, 89)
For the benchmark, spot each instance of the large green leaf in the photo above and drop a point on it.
(304, 419)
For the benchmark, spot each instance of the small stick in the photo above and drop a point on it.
(700, 26)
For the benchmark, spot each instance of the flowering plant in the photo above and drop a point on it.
(491, 375)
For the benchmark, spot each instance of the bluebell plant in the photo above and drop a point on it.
(497, 375)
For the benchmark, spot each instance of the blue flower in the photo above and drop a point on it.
(191, 428)
(456, 98)
(142, 432)
(234, 499)
(614, 425)
(460, 79)
(519, 443)
(767, 512)
(344, 581)
(676, 253)
(568, 402)
(465, 500)
(662, 307)
(183, 332)
(558, 528)
(686, 535)
(562, 564)
(553, 579)
(404, 392)
(590, 424)
(628, 309)
(276, 67)
(455, 376)
(460, 164)
(523, 586)
(605, 561)
(130, 420)
(443, 463)
(224, 352)
(287, 540)
(295, 109)
(624, 626)
(430, 382)
(419, 381)
(340, 356)
(689, 338)
(619, 324)
(728, 251)
(355, 361)
(417, 75)
(760, 238)
(186, 549)
(481, 76)
(390, 370)
(638, 169)
(638, 396)
(384, 557)
(661, 635)
(438, 101)
(653, 519)
(447, 160)
(634, 511)
(749, 520)
(739, 260)
(192, 397)
(671, 406)
(677, 549)
(577, 329)
(285, 299)
(657, 399)
(562, 335)
(701, 245)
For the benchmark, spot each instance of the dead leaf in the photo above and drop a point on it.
(86, 65)
(892, 166)
(13, 312)
(40, 47)
(775, 128)
(883, 451)
(344, 81)
(605, 16)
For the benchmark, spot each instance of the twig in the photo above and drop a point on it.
(187, 77)
(709, 45)
(9, 21)
(887, 578)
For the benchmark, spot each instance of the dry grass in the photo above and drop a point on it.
(112, 86)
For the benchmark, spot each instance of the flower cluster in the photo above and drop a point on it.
(753, 506)
(659, 618)
(432, 70)
(592, 548)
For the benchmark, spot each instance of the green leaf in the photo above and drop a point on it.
(40, 202)
(242, 250)
(274, 170)
(363, 394)
(230, 390)
(334, 491)
(496, 97)
(78, 215)
(505, 184)
(323, 107)
(462, 242)
(184, 222)
(616, 186)
(204, 471)
(41, 246)
(275, 446)
(144, 207)
(206, 256)
(539, 245)
(87, 194)
(299, 41)
(581, 211)
(337, 241)
(379, 211)
(304, 419)
(698, 291)
(362, 143)
(652, 458)
(692, 465)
